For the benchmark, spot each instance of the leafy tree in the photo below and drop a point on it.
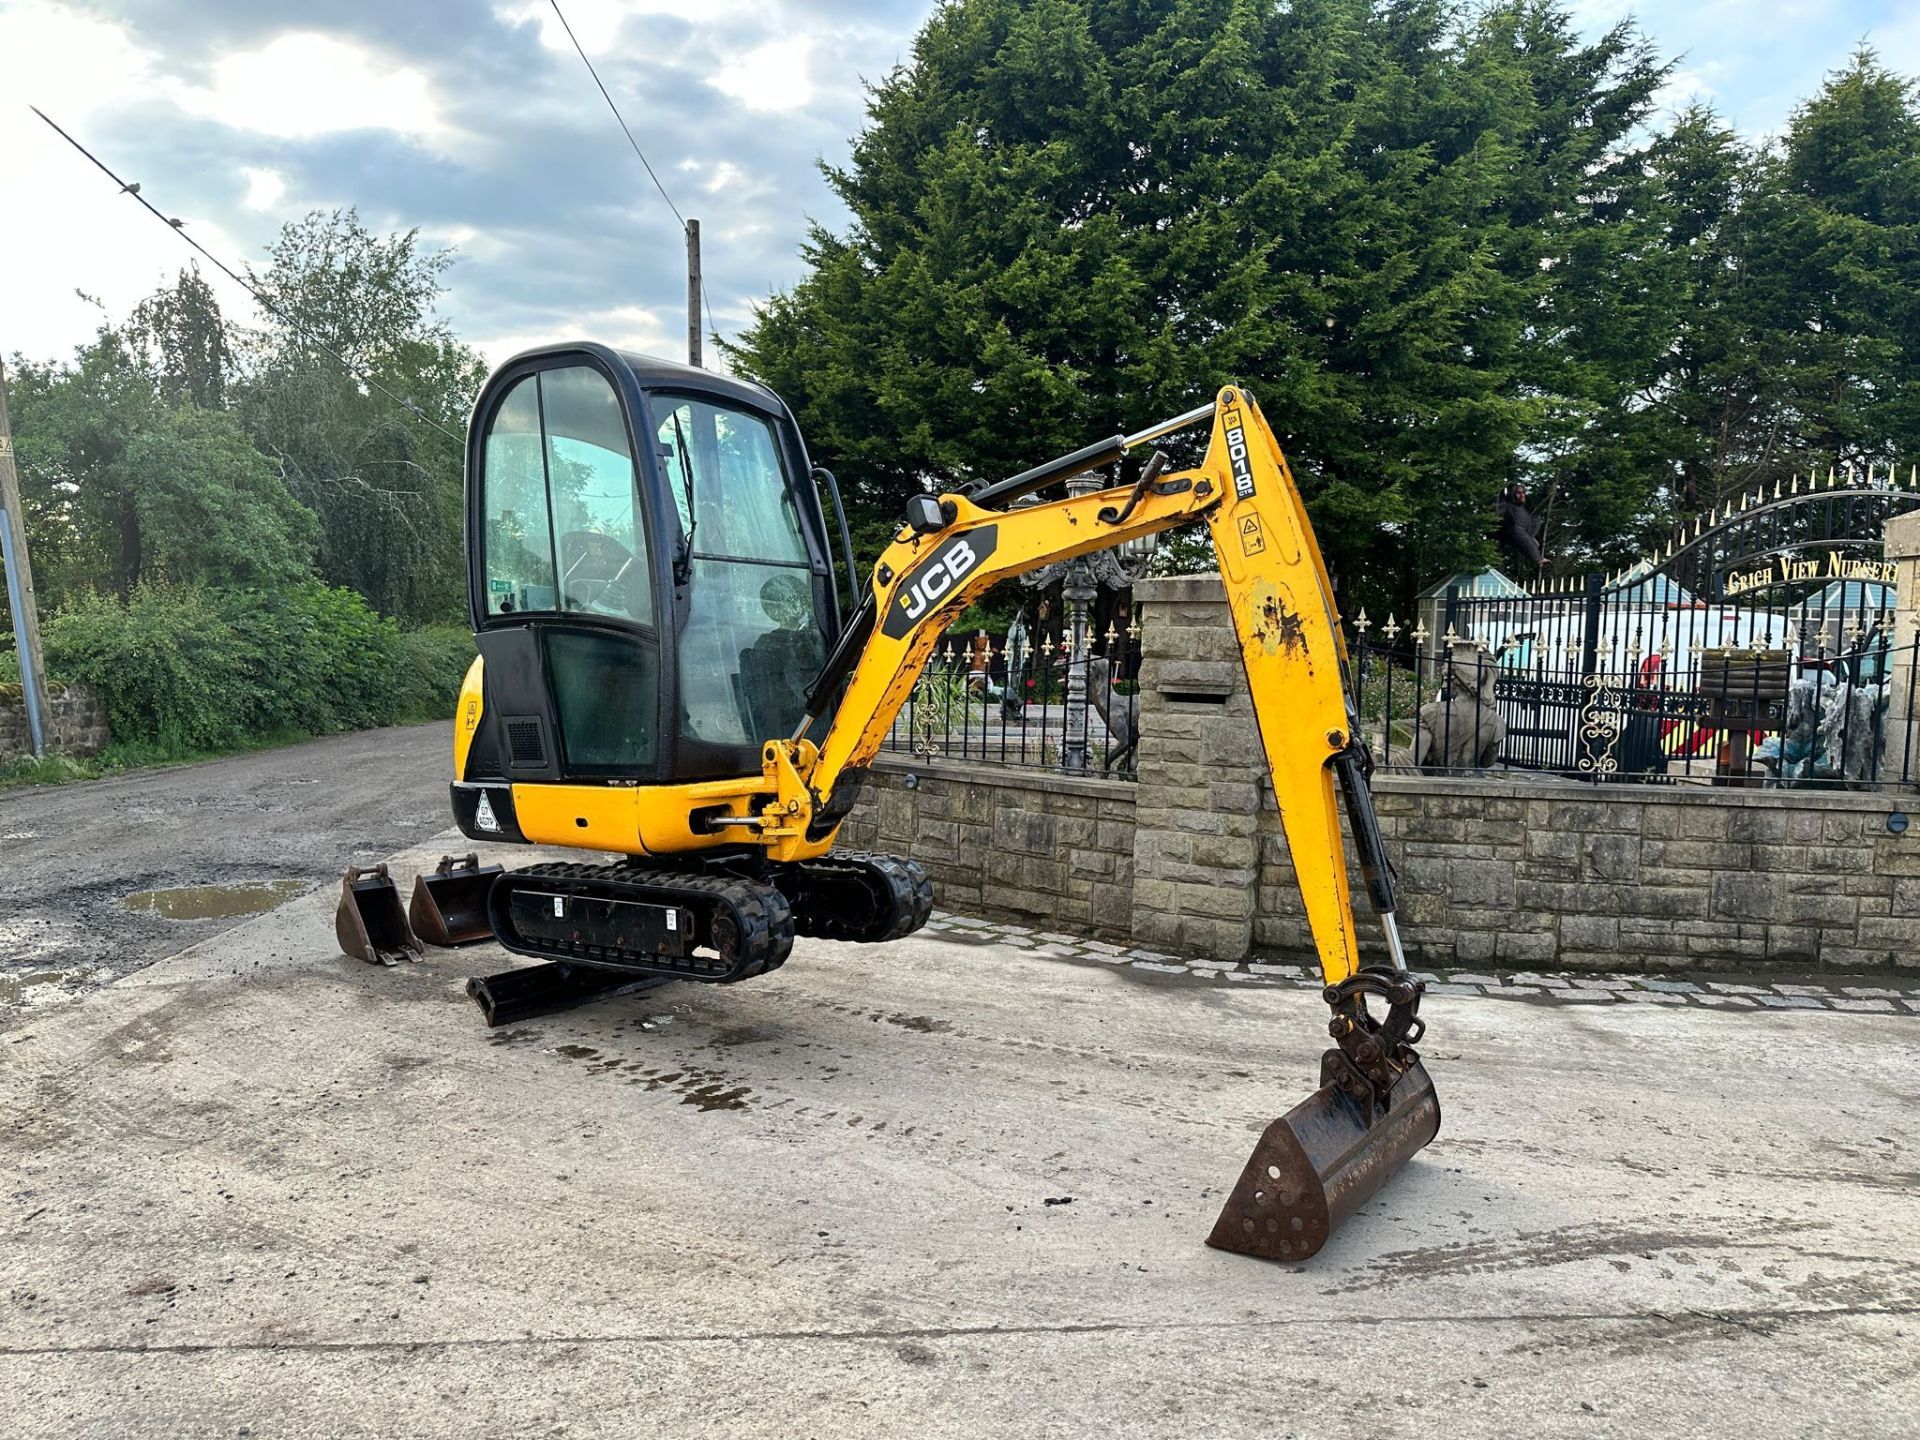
(1073, 215)
(210, 508)
(125, 478)
(1834, 267)
(181, 340)
(72, 424)
(380, 460)
(1655, 395)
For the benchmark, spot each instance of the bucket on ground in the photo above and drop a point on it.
(449, 906)
(371, 923)
(1320, 1162)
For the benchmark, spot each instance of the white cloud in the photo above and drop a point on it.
(1693, 85)
(302, 85)
(87, 236)
(264, 187)
(68, 63)
(625, 327)
(770, 77)
(596, 23)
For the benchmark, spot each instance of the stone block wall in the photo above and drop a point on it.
(78, 722)
(1052, 851)
(1524, 874)
(1513, 874)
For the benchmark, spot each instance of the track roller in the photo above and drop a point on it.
(686, 926)
(857, 896)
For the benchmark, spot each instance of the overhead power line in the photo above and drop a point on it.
(177, 227)
(626, 130)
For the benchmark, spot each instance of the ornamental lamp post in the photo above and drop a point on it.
(1081, 581)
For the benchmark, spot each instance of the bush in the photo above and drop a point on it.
(186, 669)
(168, 665)
(316, 659)
(431, 663)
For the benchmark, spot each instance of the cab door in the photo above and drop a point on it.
(754, 592)
(564, 590)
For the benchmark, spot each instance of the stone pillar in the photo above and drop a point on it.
(1196, 842)
(1903, 707)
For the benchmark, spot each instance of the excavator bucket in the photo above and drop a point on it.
(1321, 1161)
(371, 923)
(449, 907)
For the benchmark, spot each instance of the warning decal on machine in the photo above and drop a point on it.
(1252, 542)
(483, 815)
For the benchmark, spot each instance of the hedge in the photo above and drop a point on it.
(191, 669)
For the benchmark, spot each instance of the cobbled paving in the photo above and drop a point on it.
(1889, 995)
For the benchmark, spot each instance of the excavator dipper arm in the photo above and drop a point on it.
(1376, 1106)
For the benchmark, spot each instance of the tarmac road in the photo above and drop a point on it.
(941, 1188)
(71, 854)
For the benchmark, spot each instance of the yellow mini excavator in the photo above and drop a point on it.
(666, 673)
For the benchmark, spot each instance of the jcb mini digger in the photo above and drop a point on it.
(665, 673)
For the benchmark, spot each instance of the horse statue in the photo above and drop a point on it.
(1462, 728)
(1120, 714)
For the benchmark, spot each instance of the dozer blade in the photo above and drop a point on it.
(449, 907)
(371, 924)
(1322, 1161)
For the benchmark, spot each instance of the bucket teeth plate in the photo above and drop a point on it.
(1319, 1163)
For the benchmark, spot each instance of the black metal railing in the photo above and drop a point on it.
(982, 700)
(1639, 681)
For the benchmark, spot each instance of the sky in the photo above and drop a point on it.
(475, 121)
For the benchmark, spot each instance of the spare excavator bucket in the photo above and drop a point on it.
(1321, 1161)
(371, 924)
(449, 907)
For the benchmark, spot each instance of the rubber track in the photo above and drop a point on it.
(761, 916)
(907, 896)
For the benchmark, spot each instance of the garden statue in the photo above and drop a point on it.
(1519, 532)
(1462, 729)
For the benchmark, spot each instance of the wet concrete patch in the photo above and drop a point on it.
(215, 902)
(703, 1088)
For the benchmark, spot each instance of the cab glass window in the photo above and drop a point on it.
(724, 469)
(752, 641)
(563, 527)
(519, 532)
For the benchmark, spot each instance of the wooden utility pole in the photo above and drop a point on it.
(693, 292)
(13, 554)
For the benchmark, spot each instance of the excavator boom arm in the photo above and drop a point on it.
(1283, 613)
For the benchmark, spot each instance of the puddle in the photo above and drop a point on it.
(13, 987)
(214, 902)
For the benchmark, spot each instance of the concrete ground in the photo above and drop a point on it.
(70, 854)
(259, 1189)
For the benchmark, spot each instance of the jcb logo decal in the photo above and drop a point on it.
(1237, 455)
(931, 581)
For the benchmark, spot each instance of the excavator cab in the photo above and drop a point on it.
(650, 584)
